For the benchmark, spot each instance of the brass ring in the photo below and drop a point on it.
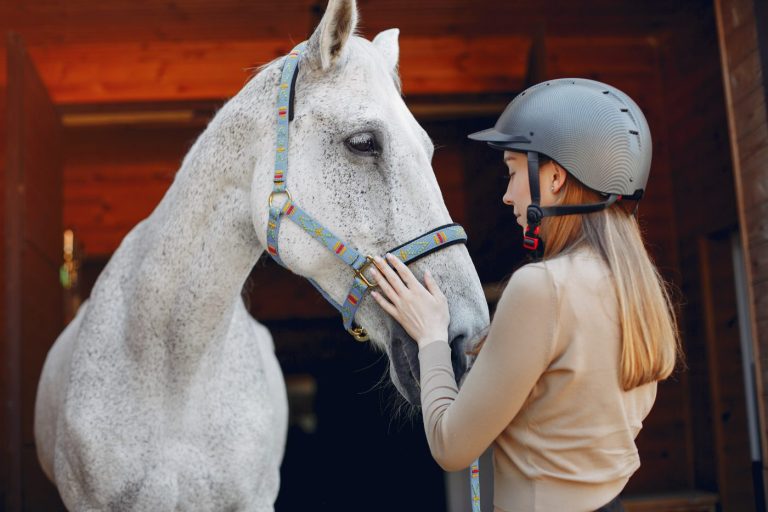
(359, 334)
(272, 194)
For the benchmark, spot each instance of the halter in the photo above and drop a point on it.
(433, 240)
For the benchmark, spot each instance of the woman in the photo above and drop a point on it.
(569, 367)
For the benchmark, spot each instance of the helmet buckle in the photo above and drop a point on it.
(531, 238)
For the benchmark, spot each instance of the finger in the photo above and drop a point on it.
(390, 275)
(385, 305)
(403, 271)
(384, 285)
(432, 286)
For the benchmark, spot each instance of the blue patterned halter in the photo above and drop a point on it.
(408, 252)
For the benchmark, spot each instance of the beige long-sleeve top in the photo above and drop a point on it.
(544, 390)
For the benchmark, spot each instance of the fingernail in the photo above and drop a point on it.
(389, 256)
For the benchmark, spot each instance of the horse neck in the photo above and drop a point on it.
(200, 242)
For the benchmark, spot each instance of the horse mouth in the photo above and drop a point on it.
(404, 367)
(404, 364)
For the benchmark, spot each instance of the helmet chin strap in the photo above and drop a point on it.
(535, 213)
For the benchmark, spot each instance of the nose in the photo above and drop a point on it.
(507, 199)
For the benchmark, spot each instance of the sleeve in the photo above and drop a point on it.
(518, 349)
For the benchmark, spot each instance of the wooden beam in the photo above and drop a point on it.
(153, 20)
(215, 70)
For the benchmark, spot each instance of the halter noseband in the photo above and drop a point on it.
(408, 252)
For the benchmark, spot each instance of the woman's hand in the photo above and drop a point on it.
(423, 312)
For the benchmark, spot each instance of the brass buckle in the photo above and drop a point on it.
(273, 193)
(359, 334)
(360, 272)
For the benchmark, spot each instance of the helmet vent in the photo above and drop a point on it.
(635, 141)
(631, 117)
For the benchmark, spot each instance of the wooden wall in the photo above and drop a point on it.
(743, 43)
(705, 207)
(665, 56)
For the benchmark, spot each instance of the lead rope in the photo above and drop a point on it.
(474, 484)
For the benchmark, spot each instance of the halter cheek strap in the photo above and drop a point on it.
(411, 251)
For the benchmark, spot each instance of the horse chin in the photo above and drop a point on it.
(404, 366)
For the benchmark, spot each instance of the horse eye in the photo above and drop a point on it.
(364, 144)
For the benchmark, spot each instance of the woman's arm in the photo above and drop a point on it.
(518, 349)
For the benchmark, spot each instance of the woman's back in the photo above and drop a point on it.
(578, 425)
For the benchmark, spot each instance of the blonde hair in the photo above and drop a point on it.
(650, 343)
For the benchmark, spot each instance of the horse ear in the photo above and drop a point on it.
(327, 42)
(386, 42)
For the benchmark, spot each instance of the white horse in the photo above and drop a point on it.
(163, 393)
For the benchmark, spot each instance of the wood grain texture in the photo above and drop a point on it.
(747, 119)
(163, 71)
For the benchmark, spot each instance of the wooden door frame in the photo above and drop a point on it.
(733, 16)
(12, 278)
(32, 299)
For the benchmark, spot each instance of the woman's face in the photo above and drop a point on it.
(518, 194)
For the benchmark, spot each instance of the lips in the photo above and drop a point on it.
(404, 366)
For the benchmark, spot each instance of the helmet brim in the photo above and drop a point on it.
(498, 139)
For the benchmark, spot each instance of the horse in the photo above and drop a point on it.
(163, 393)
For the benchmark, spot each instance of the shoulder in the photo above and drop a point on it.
(530, 284)
(576, 267)
(546, 280)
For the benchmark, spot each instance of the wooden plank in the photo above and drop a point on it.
(741, 41)
(725, 375)
(159, 71)
(734, 14)
(115, 72)
(755, 180)
(750, 110)
(758, 260)
(752, 142)
(746, 75)
(120, 20)
(594, 56)
(686, 501)
(757, 231)
(455, 65)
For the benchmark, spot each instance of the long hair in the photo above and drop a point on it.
(650, 343)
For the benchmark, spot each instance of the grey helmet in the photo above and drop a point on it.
(593, 130)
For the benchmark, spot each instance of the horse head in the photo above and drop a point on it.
(360, 164)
